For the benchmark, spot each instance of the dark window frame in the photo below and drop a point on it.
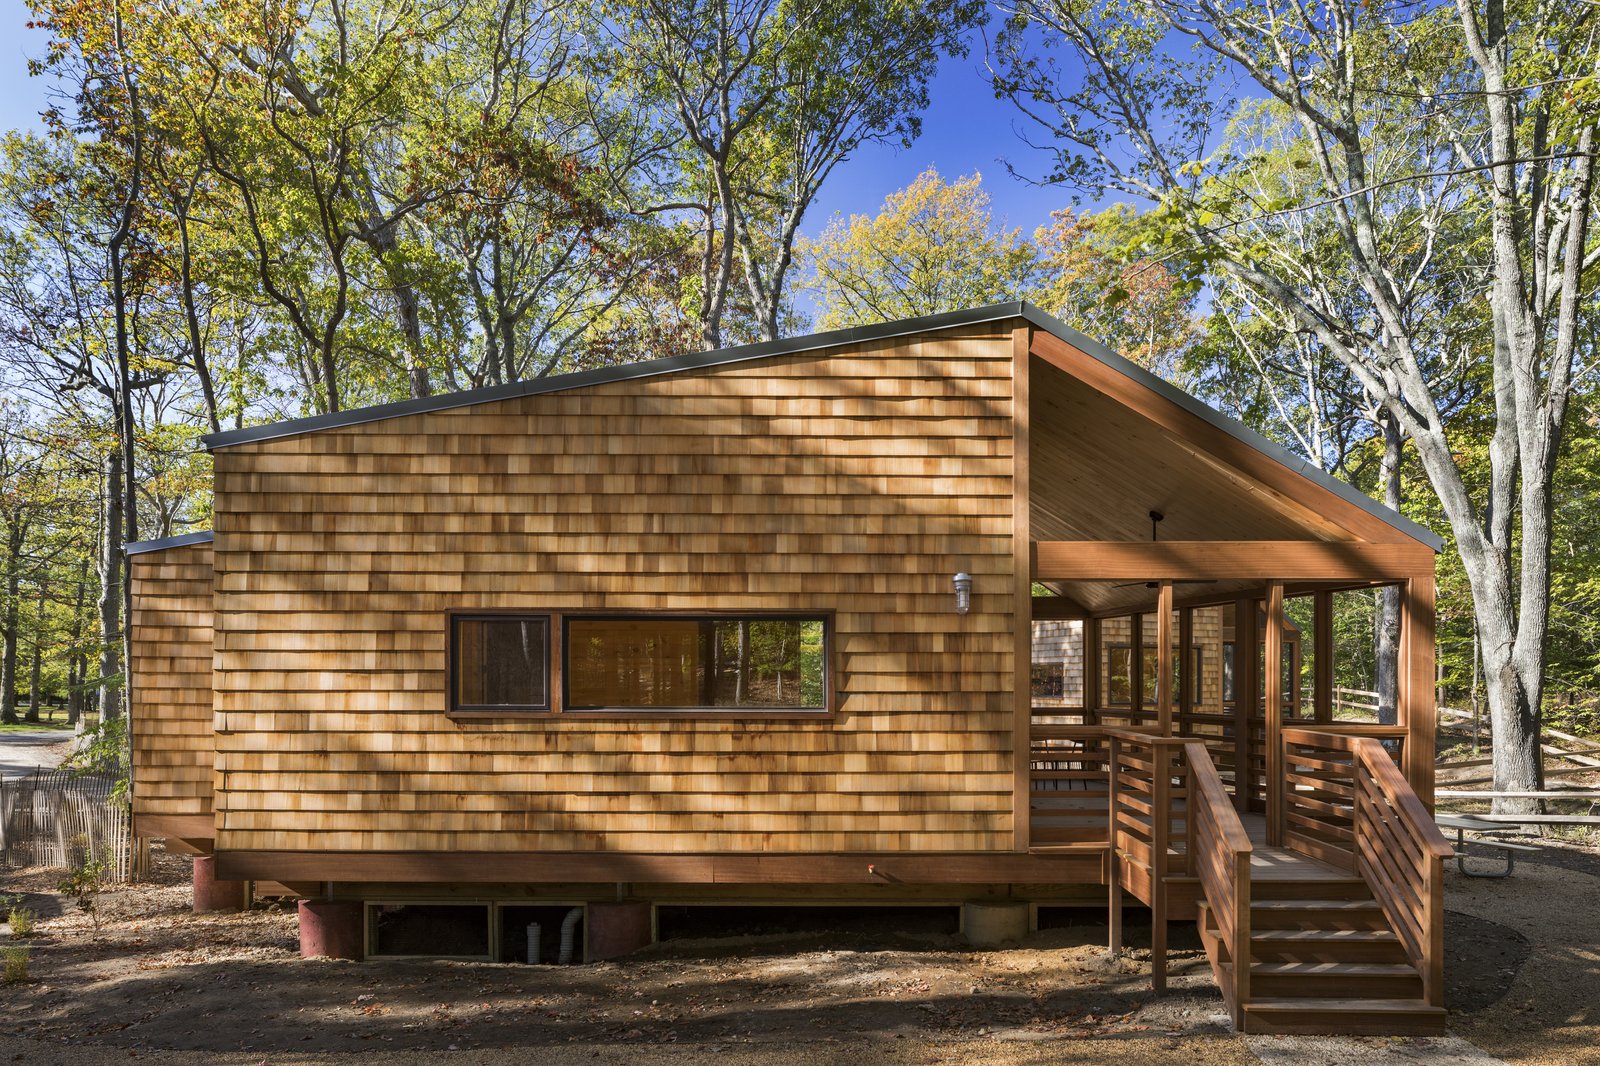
(828, 697)
(453, 663)
(556, 667)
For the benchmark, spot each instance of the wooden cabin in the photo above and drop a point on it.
(868, 616)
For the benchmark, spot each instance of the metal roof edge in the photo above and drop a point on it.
(135, 547)
(1271, 448)
(814, 342)
(606, 375)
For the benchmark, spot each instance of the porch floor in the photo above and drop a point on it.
(1268, 863)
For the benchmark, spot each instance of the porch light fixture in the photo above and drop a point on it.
(963, 584)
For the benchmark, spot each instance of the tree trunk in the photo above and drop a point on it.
(1387, 620)
(34, 695)
(77, 664)
(8, 626)
(110, 603)
(742, 685)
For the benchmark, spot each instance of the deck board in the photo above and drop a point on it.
(1269, 863)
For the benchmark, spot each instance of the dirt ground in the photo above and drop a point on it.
(156, 982)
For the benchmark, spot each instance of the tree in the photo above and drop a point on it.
(1098, 274)
(933, 247)
(1481, 113)
(766, 97)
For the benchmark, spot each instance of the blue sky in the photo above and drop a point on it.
(965, 129)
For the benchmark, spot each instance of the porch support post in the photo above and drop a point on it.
(1274, 713)
(1322, 651)
(1164, 659)
(1417, 710)
(1091, 671)
(1135, 668)
(1245, 694)
(1187, 681)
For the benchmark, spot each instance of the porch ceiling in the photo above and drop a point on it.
(1098, 468)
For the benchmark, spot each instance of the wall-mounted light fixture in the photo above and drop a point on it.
(963, 584)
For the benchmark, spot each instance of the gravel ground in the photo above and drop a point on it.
(156, 982)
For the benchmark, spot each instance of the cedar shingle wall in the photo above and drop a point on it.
(173, 753)
(856, 481)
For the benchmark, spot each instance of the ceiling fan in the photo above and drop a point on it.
(1156, 518)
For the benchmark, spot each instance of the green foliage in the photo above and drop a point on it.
(14, 963)
(83, 886)
(934, 247)
(22, 921)
(105, 752)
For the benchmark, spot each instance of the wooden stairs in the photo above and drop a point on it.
(1340, 932)
(1323, 959)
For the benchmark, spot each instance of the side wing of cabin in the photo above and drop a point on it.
(173, 738)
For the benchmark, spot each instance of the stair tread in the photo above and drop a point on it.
(1351, 1006)
(1316, 904)
(1335, 969)
(1322, 934)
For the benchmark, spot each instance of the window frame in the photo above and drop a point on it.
(453, 619)
(555, 649)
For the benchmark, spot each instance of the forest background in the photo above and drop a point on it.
(1361, 229)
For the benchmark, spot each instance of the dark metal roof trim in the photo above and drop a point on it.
(833, 339)
(135, 547)
(606, 375)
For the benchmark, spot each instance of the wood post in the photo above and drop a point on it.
(1091, 671)
(1135, 667)
(1244, 699)
(1187, 681)
(1273, 712)
(1322, 652)
(1417, 710)
(1160, 826)
(1114, 877)
(1164, 659)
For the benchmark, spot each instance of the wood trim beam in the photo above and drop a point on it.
(1058, 607)
(1273, 711)
(178, 826)
(1203, 436)
(1075, 865)
(1022, 601)
(1418, 710)
(1226, 560)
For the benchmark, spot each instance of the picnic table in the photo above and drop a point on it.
(1465, 823)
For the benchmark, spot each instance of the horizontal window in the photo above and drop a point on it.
(671, 662)
(501, 662)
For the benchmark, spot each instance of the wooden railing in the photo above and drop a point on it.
(1219, 854)
(1348, 803)
(1068, 792)
(1149, 812)
(1319, 787)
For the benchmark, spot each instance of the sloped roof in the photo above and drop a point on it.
(833, 339)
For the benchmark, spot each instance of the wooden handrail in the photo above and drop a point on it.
(1340, 736)
(1219, 855)
(1352, 806)
(1406, 803)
